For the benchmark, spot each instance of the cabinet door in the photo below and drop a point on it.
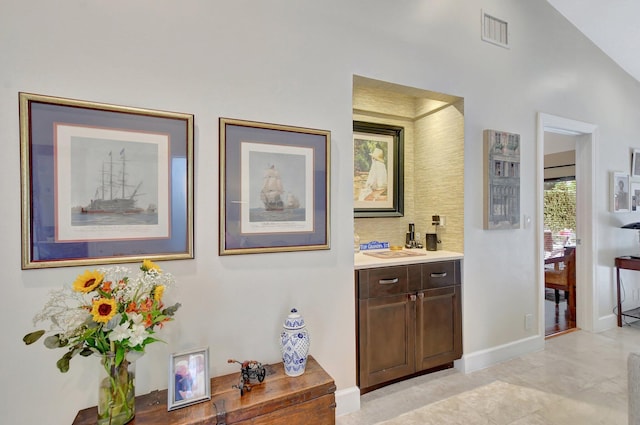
(386, 338)
(439, 327)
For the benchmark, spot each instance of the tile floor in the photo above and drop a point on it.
(590, 368)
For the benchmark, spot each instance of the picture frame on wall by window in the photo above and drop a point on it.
(620, 199)
(635, 195)
(189, 381)
(103, 183)
(274, 188)
(635, 163)
(378, 177)
(501, 177)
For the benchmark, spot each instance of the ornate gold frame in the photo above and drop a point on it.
(41, 118)
(301, 158)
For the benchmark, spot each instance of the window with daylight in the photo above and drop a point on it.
(559, 213)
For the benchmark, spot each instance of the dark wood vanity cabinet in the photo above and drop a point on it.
(409, 320)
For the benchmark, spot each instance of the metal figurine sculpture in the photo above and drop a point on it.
(250, 370)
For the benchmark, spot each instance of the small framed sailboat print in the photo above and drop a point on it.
(104, 183)
(274, 188)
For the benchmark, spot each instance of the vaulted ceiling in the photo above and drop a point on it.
(612, 25)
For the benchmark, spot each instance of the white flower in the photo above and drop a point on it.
(65, 319)
(120, 332)
(74, 320)
(136, 318)
(138, 335)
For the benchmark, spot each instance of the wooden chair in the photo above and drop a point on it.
(564, 279)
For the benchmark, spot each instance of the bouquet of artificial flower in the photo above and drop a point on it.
(107, 311)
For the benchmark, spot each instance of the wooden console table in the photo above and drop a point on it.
(308, 399)
(627, 263)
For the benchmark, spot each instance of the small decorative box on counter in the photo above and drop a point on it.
(374, 245)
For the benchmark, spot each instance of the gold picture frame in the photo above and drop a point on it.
(103, 183)
(274, 188)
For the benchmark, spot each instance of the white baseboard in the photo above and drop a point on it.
(494, 355)
(347, 401)
(607, 322)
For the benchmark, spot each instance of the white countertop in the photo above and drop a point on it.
(363, 261)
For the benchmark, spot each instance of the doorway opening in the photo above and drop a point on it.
(584, 135)
(559, 237)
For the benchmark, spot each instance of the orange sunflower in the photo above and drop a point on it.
(103, 310)
(88, 281)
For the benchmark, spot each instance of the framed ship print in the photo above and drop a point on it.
(274, 188)
(103, 183)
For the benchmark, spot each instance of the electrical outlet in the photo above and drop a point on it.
(528, 322)
(438, 220)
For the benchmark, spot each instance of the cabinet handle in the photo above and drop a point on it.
(388, 281)
(412, 297)
(441, 274)
(421, 295)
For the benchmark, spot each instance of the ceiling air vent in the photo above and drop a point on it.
(495, 31)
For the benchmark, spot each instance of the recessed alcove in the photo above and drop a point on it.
(433, 159)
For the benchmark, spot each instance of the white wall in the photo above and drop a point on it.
(292, 63)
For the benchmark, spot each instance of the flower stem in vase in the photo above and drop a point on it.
(116, 398)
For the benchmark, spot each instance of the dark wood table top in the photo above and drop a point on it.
(277, 391)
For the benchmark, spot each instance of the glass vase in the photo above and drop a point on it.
(116, 391)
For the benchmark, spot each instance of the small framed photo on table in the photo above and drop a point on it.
(189, 381)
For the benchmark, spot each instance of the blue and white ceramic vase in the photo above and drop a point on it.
(294, 344)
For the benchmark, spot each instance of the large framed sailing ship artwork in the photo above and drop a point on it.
(103, 183)
(274, 188)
